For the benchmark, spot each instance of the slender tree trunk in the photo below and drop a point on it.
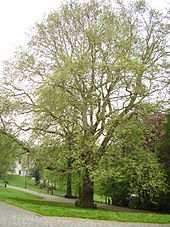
(79, 191)
(69, 189)
(86, 199)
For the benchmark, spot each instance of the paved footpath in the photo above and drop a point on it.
(45, 196)
(11, 216)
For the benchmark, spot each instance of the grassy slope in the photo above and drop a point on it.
(19, 181)
(38, 205)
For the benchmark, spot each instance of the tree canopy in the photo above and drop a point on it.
(87, 70)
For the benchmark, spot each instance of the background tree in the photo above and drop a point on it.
(8, 155)
(129, 167)
(95, 62)
(163, 153)
(138, 174)
(163, 145)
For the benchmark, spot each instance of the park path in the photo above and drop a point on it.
(45, 196)
(66, 200)
(11, 216)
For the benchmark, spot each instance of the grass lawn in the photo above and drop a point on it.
(19, 181)
(38, 205)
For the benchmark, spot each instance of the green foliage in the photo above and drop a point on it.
(8, 153)
(163, 153)
(163, 147)
(129, 168)
(139, 174)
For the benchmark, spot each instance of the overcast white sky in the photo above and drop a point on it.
(17, 16)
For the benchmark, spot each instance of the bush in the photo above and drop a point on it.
(133, 201)
(42, 185)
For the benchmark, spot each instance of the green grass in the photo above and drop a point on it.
(19, 181)
(38, 205)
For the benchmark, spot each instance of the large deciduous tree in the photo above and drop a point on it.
(88, 68)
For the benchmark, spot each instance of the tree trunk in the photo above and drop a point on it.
(69, 175)
(69, 191)
(86, 199)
